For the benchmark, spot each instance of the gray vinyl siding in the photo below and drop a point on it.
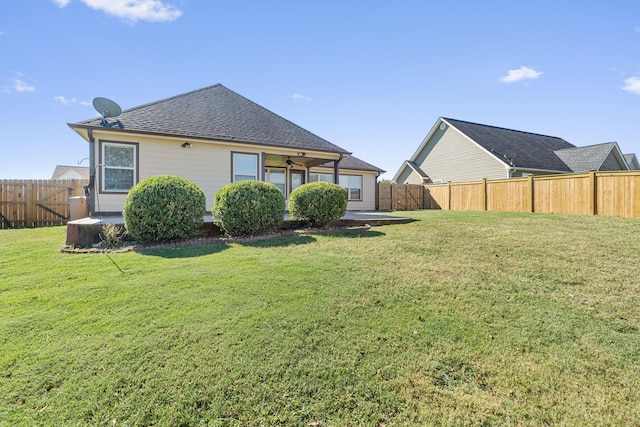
(611, 163)
(450, 156)
(409, 176)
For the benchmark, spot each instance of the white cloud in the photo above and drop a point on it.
(300, 97)
(632, 85)
(136, 10)
(18, 84)
(69, 101)
(22, 86)
(637, 29)
(522, 73)
(61, 3)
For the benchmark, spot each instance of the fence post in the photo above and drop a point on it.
(484, 193)
(449, 195)
(531, 201)
(393, 205)
(30, 199)
(593, 196)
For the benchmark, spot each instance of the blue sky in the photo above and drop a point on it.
(370, 76)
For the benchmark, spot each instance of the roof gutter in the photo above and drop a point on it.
(222, 138)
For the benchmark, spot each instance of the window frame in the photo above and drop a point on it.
(104, 167)
(268, 171)
(349, 187)
(233, 166)
(311, 174)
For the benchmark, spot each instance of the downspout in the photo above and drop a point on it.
(89, 189)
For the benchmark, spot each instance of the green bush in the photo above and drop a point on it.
(318, 203)
(248, 208)
(164, 207)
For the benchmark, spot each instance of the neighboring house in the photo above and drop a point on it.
(632, 161)
(71, 172)
(598, 157)
(459, 151)
(214, 136)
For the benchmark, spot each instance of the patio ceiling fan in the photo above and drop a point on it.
(290, 162)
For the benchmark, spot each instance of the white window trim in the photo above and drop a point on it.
(104, 167)
(321, 173)
(233, 164)
(267, 177)
(348, 188)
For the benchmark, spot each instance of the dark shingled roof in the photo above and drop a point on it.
(583, 159)
(354, 163)
(417, 169)
(525, 150)
(216, 112)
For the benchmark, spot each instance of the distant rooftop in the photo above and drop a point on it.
(523, 149)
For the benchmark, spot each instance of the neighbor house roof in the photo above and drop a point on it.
(218, 113)
(70, 172)
(422, 174)
(632, 161)
(523, 150)
(591, 157)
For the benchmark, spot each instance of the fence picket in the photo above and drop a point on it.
(593, 193)
(35, 203)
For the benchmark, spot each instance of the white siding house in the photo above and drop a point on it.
(212, 137)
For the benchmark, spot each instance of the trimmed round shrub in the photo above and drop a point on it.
(164, 207)
(318, 203)
(248, 208)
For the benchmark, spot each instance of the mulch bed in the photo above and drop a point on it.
(213, 240)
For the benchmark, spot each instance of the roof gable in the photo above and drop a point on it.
(591, 157)
(523, 150)
(70, 172)
(217, 113)
(632, 161)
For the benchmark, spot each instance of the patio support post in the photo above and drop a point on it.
(336, 170)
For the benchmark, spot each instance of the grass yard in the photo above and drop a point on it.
(459, 318)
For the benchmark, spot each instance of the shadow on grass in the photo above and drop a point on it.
(201, 249)
(281, 242)
(304, 239)
(190, 251)
(357, 234)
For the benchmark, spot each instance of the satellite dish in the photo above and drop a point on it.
(106, 108)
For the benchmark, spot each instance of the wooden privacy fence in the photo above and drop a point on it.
(400, 197)
(37, 203)
(592, 193)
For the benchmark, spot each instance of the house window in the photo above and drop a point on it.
(296, 179)
(244, 167)
(322, 177)
(119, 166)
(353, 184)
(276, 176)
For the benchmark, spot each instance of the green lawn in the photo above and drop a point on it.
(459, 318)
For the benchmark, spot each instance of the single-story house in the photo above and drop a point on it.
(70, 172)
(213, 136)
(459, 151)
